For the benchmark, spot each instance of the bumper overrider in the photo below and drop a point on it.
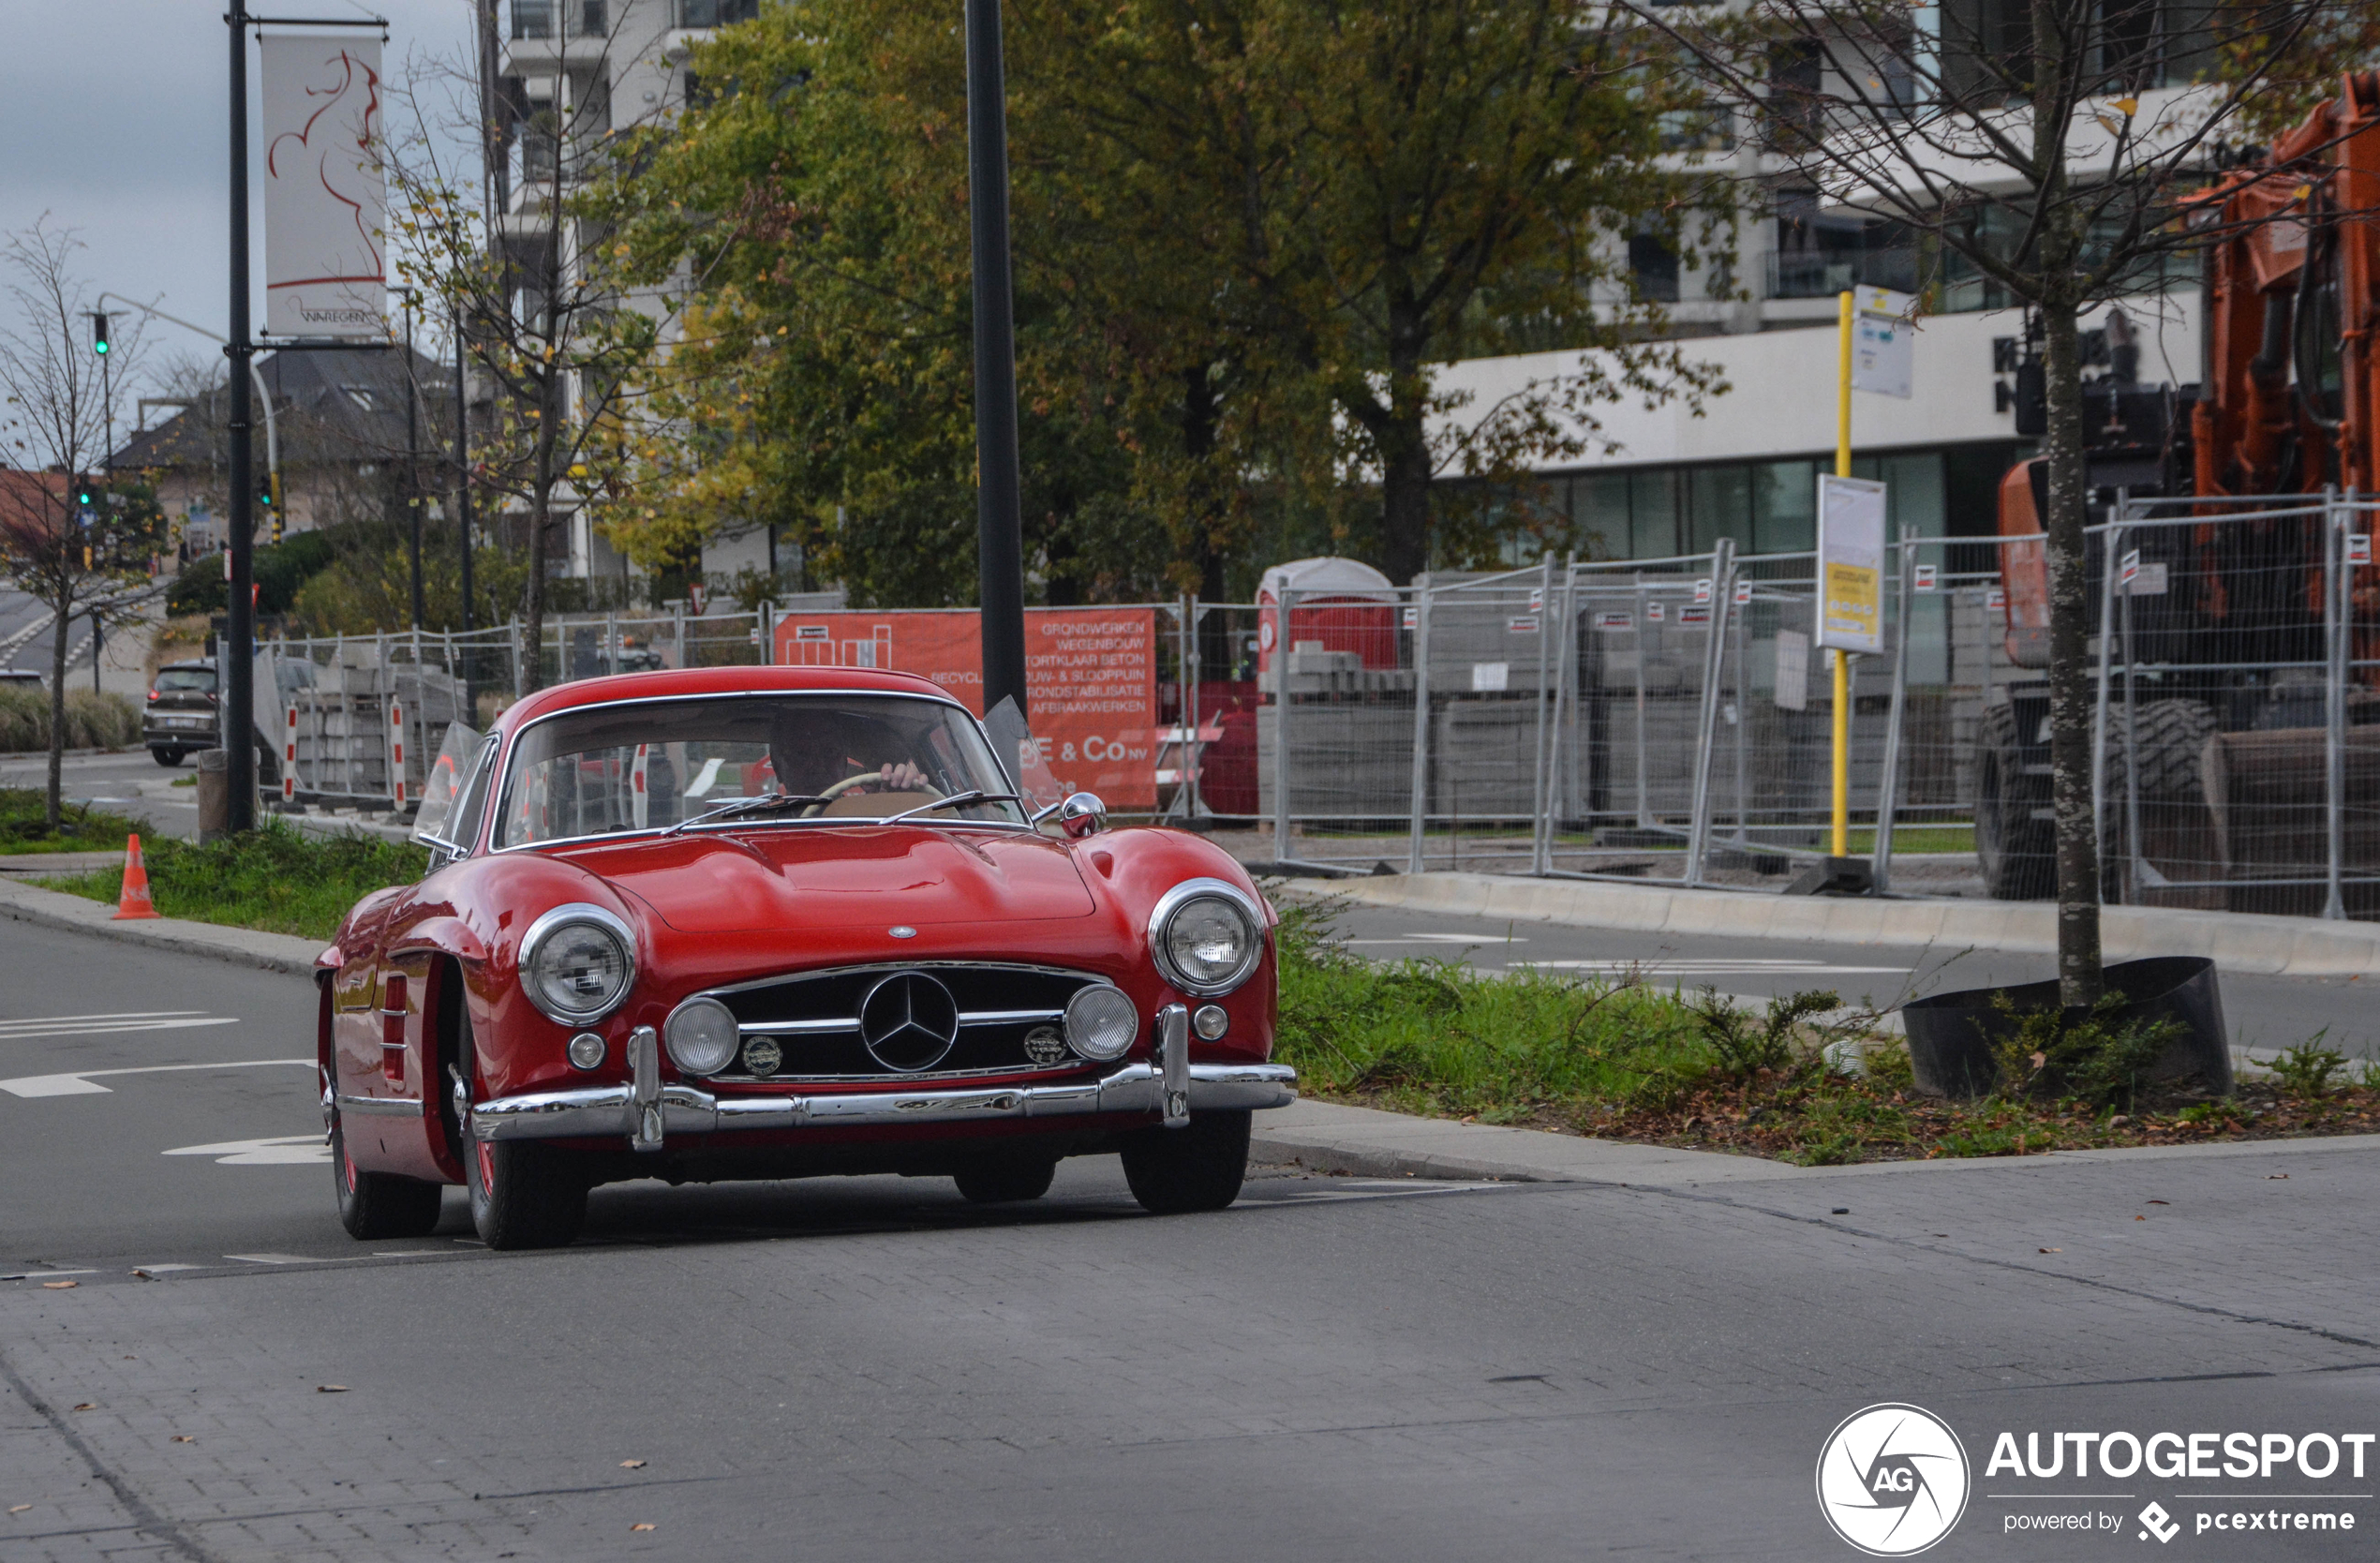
(647, 1110)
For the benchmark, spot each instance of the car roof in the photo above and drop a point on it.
(666, 683)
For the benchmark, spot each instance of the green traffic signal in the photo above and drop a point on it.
(99, 333)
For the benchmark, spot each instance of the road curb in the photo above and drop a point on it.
(1325, 1136)
(243, 947)
(2237, 942)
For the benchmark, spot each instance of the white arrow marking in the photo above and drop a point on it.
(80, 1084)
(288, 1150)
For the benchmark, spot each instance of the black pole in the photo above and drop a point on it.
(106, 494)
(413, 464)
(463, 469)
(239, 703)
(1000, 556)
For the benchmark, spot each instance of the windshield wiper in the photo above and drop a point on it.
(954, 801)
(735, 807)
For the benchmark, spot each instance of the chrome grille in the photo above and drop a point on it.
(813, 1019)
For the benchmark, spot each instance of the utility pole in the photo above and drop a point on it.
(100, 345)
(999, 561)
(239, 648)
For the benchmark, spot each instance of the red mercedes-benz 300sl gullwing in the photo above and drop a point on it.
(776, 922)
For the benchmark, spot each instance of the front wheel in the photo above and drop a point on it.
(1199, 1166)
(524, 1195)
(374, 1206)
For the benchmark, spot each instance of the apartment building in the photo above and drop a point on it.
(564, 76)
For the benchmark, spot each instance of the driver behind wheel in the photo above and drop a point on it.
(860, 763)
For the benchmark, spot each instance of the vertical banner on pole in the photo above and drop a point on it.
(325, 192)
(1851, 564)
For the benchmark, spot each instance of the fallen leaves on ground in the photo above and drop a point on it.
(631, 1464)
(59, 1286)
(330, 1389)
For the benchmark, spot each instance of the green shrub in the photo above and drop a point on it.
(278, 879)
(93, 720)
(2306, 1069)
(2096, 1058)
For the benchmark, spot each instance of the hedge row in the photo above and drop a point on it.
(93, 720)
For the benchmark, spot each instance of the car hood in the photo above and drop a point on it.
(838, 877)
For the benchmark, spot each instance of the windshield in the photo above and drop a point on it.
(651, 765)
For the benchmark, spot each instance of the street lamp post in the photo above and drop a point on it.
(239, 650)
(999, 508)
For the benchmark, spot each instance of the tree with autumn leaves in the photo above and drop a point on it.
(1247, 232)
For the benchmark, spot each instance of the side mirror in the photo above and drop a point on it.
(1082, 814)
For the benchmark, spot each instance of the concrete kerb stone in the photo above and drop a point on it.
(1324, 1137)
(272, 952)
(2239, 942)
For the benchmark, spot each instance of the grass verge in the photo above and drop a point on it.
(25, 825)
(277, 880)
(1800, 1080)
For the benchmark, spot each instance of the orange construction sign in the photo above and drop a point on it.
(1091, 677)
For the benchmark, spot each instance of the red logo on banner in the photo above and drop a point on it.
(1091, 677)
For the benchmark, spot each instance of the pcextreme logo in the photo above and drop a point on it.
(1892, 1479)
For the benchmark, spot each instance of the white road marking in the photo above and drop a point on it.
(108, 1028)
(163, 1269)
(1655, 969)
(287, 1151)
(80, 1084)
(45, 1274)
(1443, 939)
(282, 1259)
(120, 1015)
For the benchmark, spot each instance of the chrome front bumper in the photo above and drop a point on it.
(647, 1111)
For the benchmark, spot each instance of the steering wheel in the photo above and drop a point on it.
(852, 783)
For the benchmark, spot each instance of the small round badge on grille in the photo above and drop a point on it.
(1044, 1045)
(909, 1022)
(763, 1056)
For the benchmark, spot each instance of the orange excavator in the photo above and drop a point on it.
(2223, 621)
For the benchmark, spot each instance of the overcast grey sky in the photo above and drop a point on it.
(113, 121)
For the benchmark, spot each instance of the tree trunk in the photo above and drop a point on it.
(1403, 444)
(51, 809)
(534, 662)
(2069, 684)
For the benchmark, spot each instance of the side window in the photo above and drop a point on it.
(465, 825)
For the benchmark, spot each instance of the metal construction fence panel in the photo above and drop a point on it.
(1665, 719)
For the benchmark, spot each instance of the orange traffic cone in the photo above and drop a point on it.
(135, 902)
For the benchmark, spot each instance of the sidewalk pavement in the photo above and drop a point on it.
(2237, 941)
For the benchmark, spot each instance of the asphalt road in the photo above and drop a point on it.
(2262, 1011)
(869, 1369)
(130, 784)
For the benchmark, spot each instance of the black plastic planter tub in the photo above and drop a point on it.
(1951, 1035)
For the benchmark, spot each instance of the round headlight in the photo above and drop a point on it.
(1205, 938)
(577, 962)
(1101, 1022)
(701, 1037)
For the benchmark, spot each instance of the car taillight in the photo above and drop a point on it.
(153, 695)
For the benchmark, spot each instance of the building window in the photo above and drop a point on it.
(1653, 264)
(1819, 255)
(716, 13)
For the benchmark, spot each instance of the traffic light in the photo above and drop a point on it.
(269, 499)
(99, 333)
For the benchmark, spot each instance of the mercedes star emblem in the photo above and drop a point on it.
(909, 1022)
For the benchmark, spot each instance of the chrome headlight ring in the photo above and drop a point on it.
(555, 1006)
(1186, 895)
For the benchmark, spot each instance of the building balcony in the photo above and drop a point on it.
(1823, 274)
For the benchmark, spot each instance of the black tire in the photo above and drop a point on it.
(165, 757)
(2169, 737)
(1005, 1180)
(524, 1195)
(375, 1206)
(1197, 1168)
(2016, 852)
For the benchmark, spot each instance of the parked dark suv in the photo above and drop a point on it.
(181, 711)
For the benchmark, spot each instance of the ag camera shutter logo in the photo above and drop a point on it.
(1892, 1479)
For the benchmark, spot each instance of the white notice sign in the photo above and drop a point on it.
(1851, 564)
(325, 194)
(1883, 342)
